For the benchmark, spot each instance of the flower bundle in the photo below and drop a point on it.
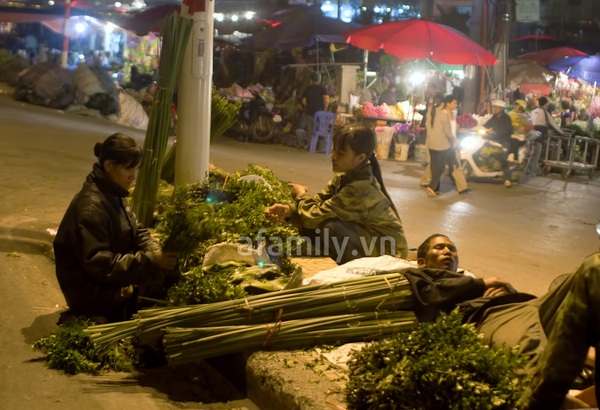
(595, 107)
(401, 127)
(466, 121)
(379, 111)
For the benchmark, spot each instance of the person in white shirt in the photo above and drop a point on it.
(542, 121)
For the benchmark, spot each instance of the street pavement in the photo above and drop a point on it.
(527, 235)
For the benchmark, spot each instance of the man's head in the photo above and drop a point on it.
(543, 101)
(498, 106)
(438, 252)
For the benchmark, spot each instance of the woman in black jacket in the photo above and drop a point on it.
(104, 257)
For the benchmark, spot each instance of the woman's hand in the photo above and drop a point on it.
(165, 260)
(297, 189)
(278, 213)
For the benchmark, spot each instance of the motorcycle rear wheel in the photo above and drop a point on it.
(263, 129)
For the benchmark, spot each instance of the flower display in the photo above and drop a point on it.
(379, 111)
(406, 132)
(466, 121)
(595, 108)
(482, 119)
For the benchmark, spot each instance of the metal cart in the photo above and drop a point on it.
(571, 153)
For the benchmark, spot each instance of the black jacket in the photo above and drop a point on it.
(100, 248)
(502, 126)
(438, 290)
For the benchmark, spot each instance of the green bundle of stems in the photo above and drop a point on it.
(176, 31)
(223, 116)
(389, 292)
(186, 345)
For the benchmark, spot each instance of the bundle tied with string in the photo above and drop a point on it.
(355, 310)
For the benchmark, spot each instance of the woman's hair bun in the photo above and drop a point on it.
(98, 149)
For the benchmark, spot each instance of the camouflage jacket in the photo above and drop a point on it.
(353, 197)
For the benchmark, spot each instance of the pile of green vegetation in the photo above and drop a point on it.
(71, 350)
(191, 218)
(441, 365)
(225, 208)
(578, 130)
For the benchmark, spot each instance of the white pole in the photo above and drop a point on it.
(594, 92)
(65, 47)
(195, 93)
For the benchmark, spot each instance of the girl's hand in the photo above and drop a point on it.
(278, 213)
(297, 189)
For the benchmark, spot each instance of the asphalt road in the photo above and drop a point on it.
(527, 234)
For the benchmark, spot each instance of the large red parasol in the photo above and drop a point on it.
(529, 76)
(421, 39)
(549, 55)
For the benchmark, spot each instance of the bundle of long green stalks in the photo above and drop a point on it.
(297, 317)
(185, 345)
(176, 31)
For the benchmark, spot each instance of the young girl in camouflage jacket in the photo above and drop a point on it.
(353, 216)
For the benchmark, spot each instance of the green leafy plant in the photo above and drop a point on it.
(579, 130)
(199, 286)
(185, 223)
(441, 365)
(71, 349)
(225, 208)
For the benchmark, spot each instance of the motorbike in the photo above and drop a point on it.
(482, 158)
(256, 121)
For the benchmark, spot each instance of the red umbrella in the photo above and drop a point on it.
(529, 76)
(421, 39)
(549, 55)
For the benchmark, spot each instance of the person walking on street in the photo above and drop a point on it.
(440, 143)
(457, 174)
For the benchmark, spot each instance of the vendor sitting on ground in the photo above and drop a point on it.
(567, 313)
(105, 259)
(353, 216)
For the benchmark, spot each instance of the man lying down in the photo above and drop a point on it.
(555, 331)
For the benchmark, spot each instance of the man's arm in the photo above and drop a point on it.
(325, 102)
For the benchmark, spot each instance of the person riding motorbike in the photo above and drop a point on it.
(500, 129)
